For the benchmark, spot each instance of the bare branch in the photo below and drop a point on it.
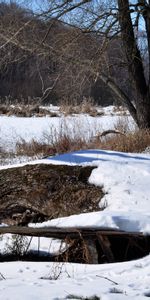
(120, 94)
(11, 39)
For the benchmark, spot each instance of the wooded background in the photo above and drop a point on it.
(53, 62)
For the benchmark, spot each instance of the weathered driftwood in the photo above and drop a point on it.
(111, 131)
(100, 135)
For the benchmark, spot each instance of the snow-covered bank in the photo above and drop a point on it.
(126, 221)
(32, 280)
(46, 129)
(125, 180)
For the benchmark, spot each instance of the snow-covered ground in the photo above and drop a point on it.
(125, 179)
(37, 281)
(46, 129)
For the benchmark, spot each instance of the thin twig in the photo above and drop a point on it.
(2, 276)
(107, 279)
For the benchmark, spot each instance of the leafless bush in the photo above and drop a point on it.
(71, 137)
(17, 246)
(67, 140)
(31, 148)
(77, 251)
(87, 106)
(63, 143)
(67, 143)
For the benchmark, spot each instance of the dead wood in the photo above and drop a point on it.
(106, 132)
(106, 247)
(90, 245)
(63, 232)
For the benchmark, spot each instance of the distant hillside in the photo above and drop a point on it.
(49, 61)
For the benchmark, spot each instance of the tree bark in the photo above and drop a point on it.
(121, 96)
(141, 111)
(134, 59)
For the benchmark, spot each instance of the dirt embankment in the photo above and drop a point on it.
(40, 192)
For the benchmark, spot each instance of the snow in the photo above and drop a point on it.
(31, 244)
(32, 280)
(45, 129)
(126, 221)
(125, 179)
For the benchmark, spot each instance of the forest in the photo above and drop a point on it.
(49, 61)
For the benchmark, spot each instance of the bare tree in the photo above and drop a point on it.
(59, 58)
(120, 19)
(106, 22)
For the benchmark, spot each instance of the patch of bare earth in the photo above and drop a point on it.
(35, 193)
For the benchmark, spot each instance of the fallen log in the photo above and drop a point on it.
(100, 135)
(90, 244)
(71, 232)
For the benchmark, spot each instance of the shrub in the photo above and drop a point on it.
(86, 107)
(31, 148)
(17, 246)
(135, 142)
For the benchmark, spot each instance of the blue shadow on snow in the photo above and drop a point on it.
(75, 157)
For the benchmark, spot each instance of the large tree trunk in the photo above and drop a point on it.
(140, 112)
(143, 112)
(134, 62)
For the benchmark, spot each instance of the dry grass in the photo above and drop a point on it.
(136, 142)
(61, 145)
(29, 110)
(32, 148)
(86, 107)
(67, 144)
(120, 110)
(22, 110)
(72, 138)
(129, 140)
